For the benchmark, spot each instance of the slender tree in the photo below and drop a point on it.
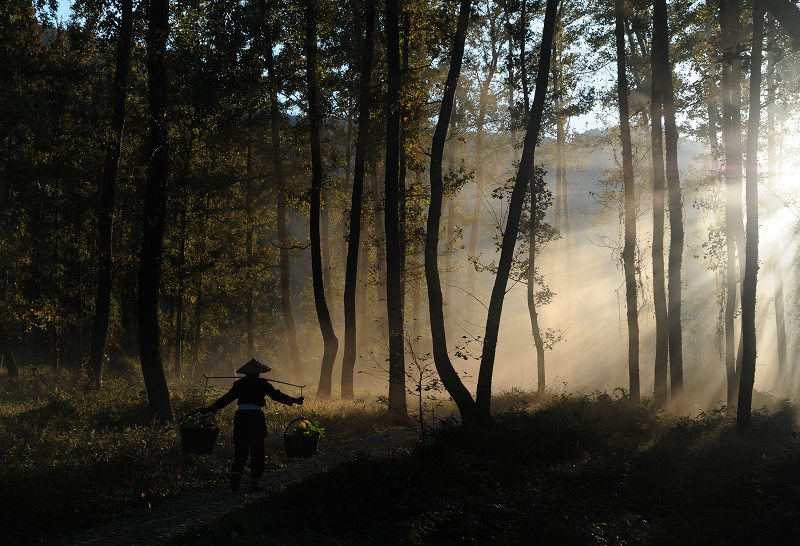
(280, 205)
(106, 189)
(356, 204)
(730, 28)
(394, 291)
(450, 379)
(749, 285)
(330, 342)
(524, 175)
(155, 204)
(774, 261)
(662, 72)
(628, 252)
(660, 385)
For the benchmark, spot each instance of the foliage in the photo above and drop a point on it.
(591, 469)
(96, 458)
(308, 426)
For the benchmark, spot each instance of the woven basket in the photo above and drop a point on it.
(299, 445)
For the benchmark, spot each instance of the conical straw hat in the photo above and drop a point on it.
(253, 366)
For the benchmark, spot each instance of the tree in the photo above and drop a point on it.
(356, 203)
(280, 180)
(153, 216)
(660, 388)
(394, 288)
(628, 253)
(450, 379)
(524, 174)
(331, 343)
(730, 30)
(105, 200)
(750, 282)
(662, 78)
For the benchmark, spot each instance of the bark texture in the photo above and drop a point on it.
(394, 290)
(356, 205)
(105, 213)
(750, 283)
(153, 217)
(629, 250)
(329, 340)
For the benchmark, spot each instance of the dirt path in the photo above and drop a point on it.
(184, 515)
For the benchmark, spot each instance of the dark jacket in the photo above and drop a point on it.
(251, 390)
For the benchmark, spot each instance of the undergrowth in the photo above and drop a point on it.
(553, 469)
(70, 459)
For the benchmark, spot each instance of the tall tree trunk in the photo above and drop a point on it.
(776, 268)
(326, 241)
(356, 205)
(379, 243)
(629, 250)
(155, 205)
(663, 73)
(448, 259)
(330, 342)
(394, 294)
(179, 304)
(660, 387)
(106, 197)
(524, 175)
(750, 282)
(538, 342)
(732, 139)
(280, 182)
(449, 376)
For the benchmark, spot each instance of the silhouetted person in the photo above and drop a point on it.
(249, 423)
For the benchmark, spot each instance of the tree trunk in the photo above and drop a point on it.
(105, 214)
(776, 268)
(280, 182)
(732, 139)
(629, 250)
(155, 201)
(394, 295)
(524, 175)
(538, 343)
(449, 376)
(356, 205)
(326, 241)
(750, 282)
(330, 342)
(663, 74)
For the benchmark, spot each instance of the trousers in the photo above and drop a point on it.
(249, 432)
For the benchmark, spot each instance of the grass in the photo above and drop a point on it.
(74, 459)
(556, 469)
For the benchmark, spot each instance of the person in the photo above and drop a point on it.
(249, 423)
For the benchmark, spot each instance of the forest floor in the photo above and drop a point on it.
(193, 514)
(572, 470)
(72, 460)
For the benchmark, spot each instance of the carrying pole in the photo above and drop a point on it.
(301, 387)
